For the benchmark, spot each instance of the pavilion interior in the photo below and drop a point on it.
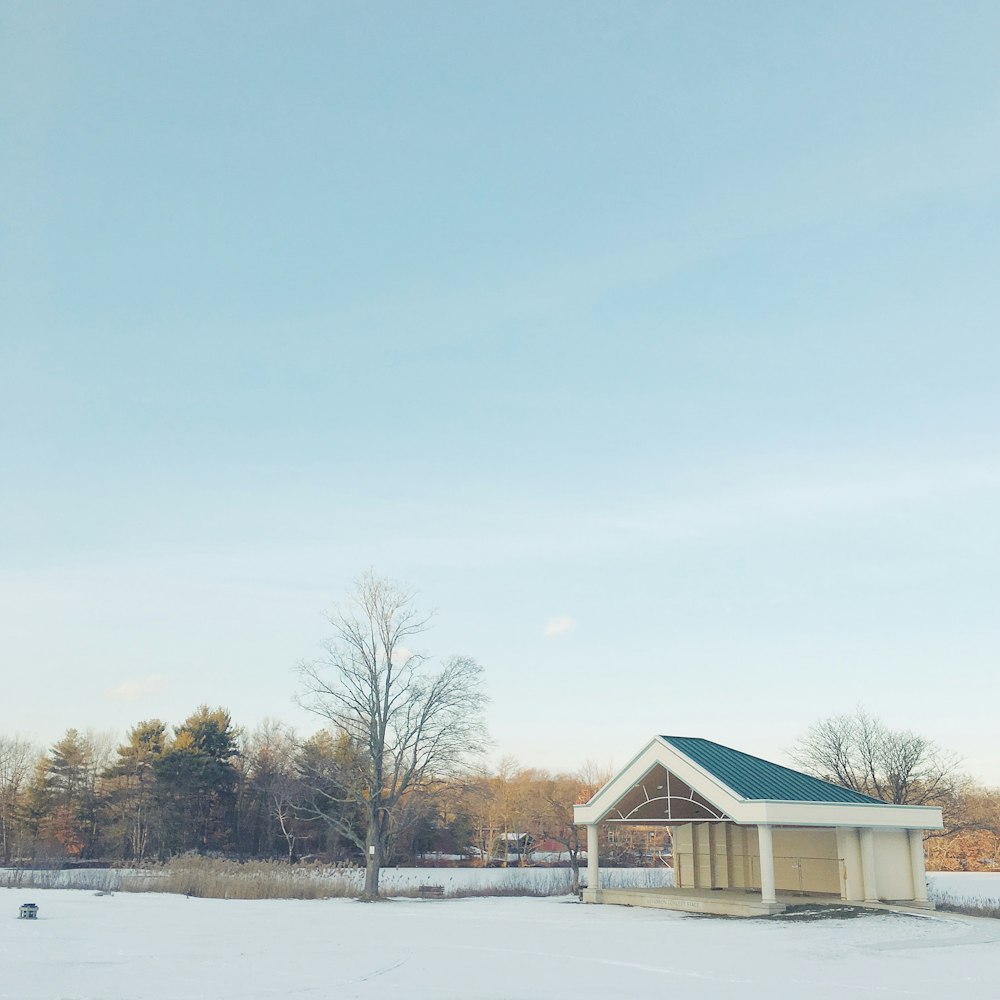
(710, 851)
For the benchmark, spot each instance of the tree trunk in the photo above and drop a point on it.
(374, 854)
(371, 875)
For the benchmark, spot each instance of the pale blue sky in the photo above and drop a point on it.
(674, 321)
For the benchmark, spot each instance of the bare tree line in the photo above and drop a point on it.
(208, 786)
(860, 751)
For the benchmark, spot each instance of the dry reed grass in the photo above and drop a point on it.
(194, 875)
(970, 907)
(215, 878)
(100, 879)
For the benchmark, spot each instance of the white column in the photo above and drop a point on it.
(917, 865)
(849, 851)
(868, 864)
(767, 893)
(593, 869)
(712, 873)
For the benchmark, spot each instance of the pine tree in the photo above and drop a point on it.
(196, 783)
(132, 789)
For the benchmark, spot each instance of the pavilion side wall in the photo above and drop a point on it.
(892, 862)
(893, 865)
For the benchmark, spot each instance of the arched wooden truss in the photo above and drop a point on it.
(662, 797)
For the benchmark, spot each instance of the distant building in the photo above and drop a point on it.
(745, 830)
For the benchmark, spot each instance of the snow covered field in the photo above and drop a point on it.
(159, 947)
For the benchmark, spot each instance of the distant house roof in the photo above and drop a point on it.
(550, 846)
(753, 778)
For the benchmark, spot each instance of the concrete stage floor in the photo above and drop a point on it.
(729, 902)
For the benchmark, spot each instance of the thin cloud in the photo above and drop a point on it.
(136, 690)
(559, 626)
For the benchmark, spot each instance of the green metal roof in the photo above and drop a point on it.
(753, 778)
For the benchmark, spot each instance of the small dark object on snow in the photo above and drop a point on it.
(29, 911)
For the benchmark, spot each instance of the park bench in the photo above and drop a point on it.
(431, 891)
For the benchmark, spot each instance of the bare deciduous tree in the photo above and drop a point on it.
(17, 757)
(406, 726)
(559, 794)
(859, 751)
(270, 753)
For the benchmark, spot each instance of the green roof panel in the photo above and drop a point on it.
(753, 778)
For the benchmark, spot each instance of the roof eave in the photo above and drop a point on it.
(880, 815)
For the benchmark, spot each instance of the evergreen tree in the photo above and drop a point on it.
(322, 798)
(132, 790)
(197, 783)
(73, 790)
